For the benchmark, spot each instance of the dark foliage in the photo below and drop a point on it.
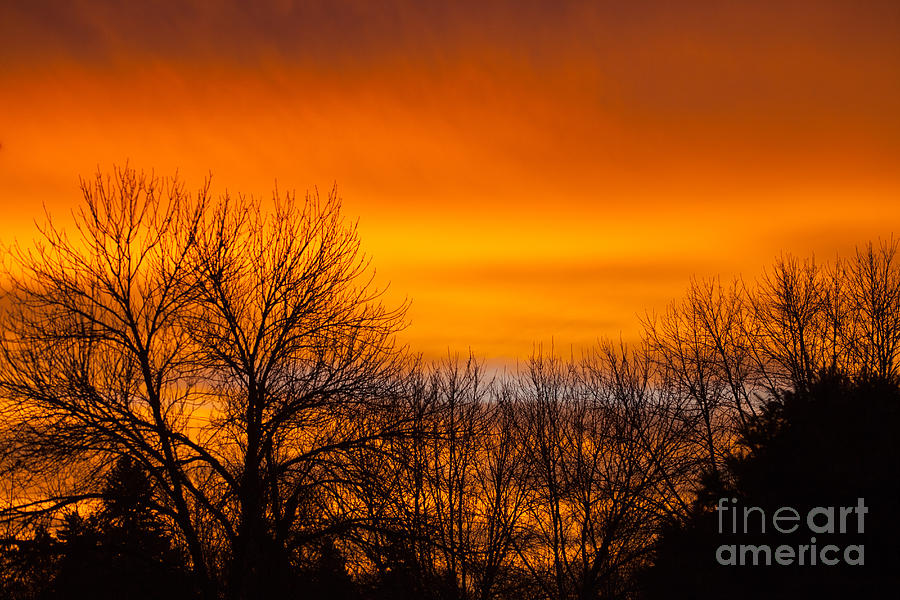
(827, 447)
(120, 551)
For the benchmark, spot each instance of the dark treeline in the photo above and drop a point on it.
(202, 398)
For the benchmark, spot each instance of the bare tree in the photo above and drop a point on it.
(790, 311)
(92, 353)
(605, 469)
(874, 281)
(227, 348)
(705, 357)
(298, 352)
(501, 473)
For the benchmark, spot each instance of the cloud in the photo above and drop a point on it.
(519, 167)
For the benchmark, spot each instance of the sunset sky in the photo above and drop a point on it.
(521, 171)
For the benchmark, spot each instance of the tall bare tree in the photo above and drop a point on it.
(93, 354)
(874, 281)
(227, 346)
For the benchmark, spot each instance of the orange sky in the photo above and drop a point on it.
(524, 171)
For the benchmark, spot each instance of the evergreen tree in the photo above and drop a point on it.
(827, 447)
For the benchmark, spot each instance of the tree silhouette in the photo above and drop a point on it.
(234, 352)
(119, 550)
(203, 397)
(826, 446)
